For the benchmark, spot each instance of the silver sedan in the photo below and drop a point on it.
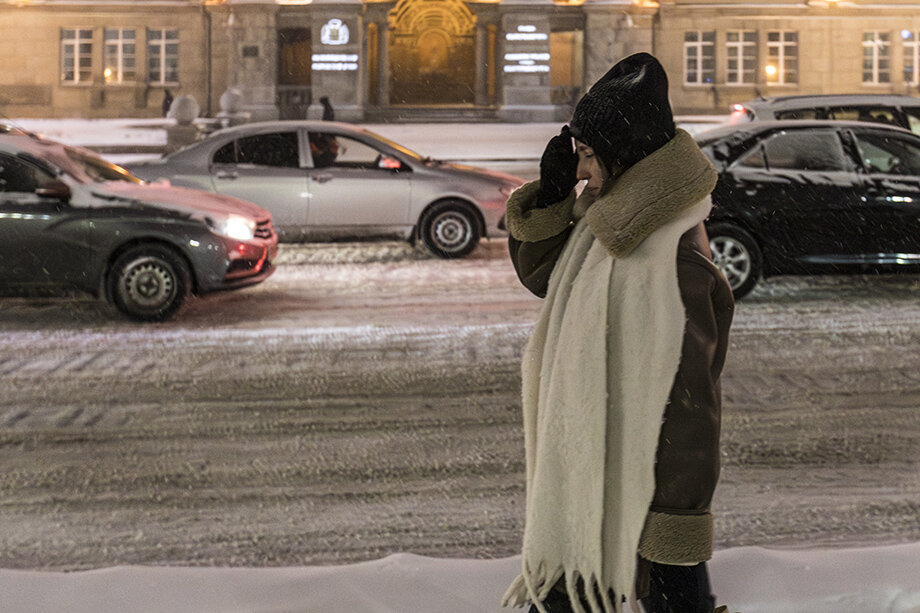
(325, 180)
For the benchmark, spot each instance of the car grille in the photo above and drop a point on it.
(264, 229)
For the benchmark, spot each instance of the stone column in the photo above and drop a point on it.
(338, 42)
(524, 58)
(253, 57)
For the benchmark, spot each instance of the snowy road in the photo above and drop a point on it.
(364, 400)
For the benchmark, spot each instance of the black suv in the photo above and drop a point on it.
(801, 197)
(903, 111)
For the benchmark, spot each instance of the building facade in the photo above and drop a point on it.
(381, 60)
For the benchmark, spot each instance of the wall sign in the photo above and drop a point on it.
(335, 62)
(334, 33)
(526, 33)
(526, 62)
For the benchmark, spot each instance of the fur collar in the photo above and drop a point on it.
(650, 193)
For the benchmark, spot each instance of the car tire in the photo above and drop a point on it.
(449, 229)
(737, 255)
(148, 282)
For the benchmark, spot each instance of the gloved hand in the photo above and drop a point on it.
(558, 168)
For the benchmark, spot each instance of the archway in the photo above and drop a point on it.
(431, 52)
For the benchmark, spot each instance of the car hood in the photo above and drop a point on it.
(464, 169)
(181, 199)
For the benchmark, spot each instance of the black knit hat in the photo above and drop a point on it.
(626, 116)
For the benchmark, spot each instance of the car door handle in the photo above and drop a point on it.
(227, 174)
(321, 178)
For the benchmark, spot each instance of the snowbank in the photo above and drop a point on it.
(749, 579)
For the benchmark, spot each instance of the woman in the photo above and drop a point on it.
(621, 390)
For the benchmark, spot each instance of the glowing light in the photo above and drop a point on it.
(770, 69)
(521, 57)
(334, 33)
(335, 62)
(524, 68)
(526, 36)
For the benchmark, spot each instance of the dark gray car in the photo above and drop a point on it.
(889, 109)
(71, 221)
(328, 180)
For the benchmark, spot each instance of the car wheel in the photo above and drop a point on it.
(737, 255)
(148, 283)
(449, 229)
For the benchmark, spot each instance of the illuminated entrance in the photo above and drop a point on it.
(431, 52)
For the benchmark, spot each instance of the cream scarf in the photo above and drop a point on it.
(597, 374)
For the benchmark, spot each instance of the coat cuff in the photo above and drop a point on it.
(676, 539)
(528, 224)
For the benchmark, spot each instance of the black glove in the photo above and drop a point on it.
(558, 168)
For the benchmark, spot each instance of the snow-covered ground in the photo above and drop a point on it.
(804, 579)
(749, 580)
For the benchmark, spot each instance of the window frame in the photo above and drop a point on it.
(700, 46)
(911, 51)
(875, 52)
(157, 53)
(72, 47)
(783, 59)
(120, 55)
(735, 50)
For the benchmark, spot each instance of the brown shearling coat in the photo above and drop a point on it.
(687, 459)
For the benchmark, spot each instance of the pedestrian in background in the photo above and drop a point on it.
(621, 393)
(167, 102)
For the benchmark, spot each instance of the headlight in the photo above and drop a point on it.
(237, 227)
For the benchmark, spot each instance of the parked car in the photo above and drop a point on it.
(800, 197)
(69, 220)
(895, 110)
(324, 180)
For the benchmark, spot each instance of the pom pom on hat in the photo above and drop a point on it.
(626, 115)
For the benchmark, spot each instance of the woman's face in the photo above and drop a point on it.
(590, 168)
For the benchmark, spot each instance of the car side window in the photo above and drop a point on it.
(802, 114)
(913, 119)
(278, 149)
(806, 150)
(226, 154)
(342, 152)
(882, 153)
(753, 159)
(876, 114)
(19, 176)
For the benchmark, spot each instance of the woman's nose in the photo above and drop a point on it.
(582, 172)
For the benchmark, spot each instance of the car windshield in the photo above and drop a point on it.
(88, 168)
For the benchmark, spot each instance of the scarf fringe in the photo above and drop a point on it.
(534, 587)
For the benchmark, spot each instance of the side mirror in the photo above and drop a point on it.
(389, 163)
(57, 190)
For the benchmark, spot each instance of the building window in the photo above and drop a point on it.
(782, 67)
(76, 55)
(911, 56)
(741, 57)
(120, 55)
(699, 57)
(876, 58)
(162, 56)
